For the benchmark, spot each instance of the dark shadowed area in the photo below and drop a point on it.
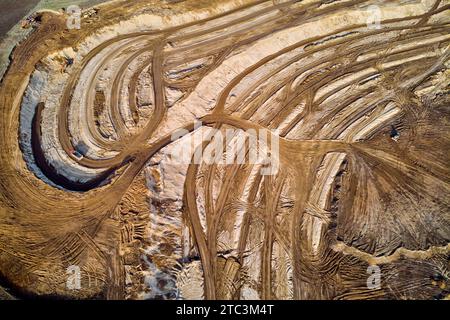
(12, 12)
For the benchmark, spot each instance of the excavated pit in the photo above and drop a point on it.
(101, 127)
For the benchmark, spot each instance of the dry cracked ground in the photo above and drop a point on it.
(356, 92)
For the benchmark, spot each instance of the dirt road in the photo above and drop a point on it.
(349, 192)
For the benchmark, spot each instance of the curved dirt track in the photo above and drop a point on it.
(361, 114)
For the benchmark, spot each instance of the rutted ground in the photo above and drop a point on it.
(87, 176)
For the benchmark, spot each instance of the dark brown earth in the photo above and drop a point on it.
(12, 13)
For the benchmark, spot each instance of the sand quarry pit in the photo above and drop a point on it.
(350, 200)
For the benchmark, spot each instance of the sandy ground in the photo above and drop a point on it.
(90, 176)
(11, 32)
